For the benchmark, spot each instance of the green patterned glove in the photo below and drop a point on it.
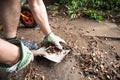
(52, 38)
(26, 58)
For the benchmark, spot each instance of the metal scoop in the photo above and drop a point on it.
(55, 57)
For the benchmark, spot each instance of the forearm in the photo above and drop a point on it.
(39, 12)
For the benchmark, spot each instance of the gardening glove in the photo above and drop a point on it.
(26, 58)
(52, 38)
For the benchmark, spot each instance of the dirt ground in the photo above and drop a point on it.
(93, 57)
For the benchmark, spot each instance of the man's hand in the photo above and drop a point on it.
(52, 38)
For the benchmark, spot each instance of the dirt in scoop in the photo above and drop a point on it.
(51, 48)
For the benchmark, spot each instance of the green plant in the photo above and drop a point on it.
(72, 9)
(94, 14)
(94, 9)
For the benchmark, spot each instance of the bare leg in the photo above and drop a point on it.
(9, 53)
(9, 15)
(39, 12)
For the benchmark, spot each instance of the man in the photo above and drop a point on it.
(16, 56)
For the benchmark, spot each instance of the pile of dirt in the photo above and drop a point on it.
(51, 48)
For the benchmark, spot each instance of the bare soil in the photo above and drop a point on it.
(91, 58)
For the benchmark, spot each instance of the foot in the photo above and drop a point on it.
(31, 45)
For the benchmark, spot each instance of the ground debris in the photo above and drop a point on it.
(32, 74)
(95, 64)
(98, 69)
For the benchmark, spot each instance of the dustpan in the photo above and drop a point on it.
(55, 57)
